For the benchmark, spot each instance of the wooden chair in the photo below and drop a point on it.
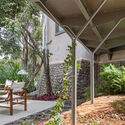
(14, 94)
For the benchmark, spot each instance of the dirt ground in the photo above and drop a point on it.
(99, 113)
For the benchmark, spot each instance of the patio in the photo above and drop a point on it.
(34, 107)
(98, 25)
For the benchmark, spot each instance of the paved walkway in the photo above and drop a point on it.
(33, 108)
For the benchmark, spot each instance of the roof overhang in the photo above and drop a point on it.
(72, 15)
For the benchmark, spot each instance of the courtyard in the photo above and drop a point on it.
(62, 62)
(34, 107)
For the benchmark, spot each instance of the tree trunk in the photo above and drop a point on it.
(25, 54)
(47, 73)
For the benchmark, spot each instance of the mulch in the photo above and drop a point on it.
(100, 113)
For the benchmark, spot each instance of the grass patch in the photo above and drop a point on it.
(119, 106)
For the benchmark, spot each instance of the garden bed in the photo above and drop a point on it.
(99, 113)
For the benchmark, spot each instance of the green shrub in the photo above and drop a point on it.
(113, 79)
(9, 70)
(31, 87)
(99, 91)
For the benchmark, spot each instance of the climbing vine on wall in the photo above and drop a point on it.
(56, 118)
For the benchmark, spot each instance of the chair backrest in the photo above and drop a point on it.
(8, 83)
(18, 86)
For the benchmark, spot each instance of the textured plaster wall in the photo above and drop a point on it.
(59, 45)
(58, 48)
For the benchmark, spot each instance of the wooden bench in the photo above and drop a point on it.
(14, 94)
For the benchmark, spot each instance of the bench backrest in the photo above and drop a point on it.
(8, 83)
(15, 86)
(18, 86)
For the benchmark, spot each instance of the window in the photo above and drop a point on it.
(58, 30)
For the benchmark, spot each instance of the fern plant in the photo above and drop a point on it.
(113, 79)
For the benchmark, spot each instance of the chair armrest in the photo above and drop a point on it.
(2, 87)
(2, 92)
(20, 93)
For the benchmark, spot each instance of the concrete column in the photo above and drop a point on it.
(74, 83)
(92, 79)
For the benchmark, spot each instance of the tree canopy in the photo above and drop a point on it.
(9, 9)
(21, 34)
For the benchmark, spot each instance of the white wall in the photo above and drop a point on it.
(59, 46)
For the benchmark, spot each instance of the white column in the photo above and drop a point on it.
(74, 84)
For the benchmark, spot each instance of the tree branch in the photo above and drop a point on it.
(27, 40)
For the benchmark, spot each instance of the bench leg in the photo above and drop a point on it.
(25, 101)
(11, 102)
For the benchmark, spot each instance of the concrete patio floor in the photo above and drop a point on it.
(34, 107)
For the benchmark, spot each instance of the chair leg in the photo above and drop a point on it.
(25, 101)
(11, 102)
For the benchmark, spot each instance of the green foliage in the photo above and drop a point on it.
(9, 70)
(21, 35)
(56, 118)
(17, 17)
(99, 91)
(87, 93)
(9, 48)
(29, 87)
(113, 79)
(9, 44)
(119, 106)
(9, 9)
